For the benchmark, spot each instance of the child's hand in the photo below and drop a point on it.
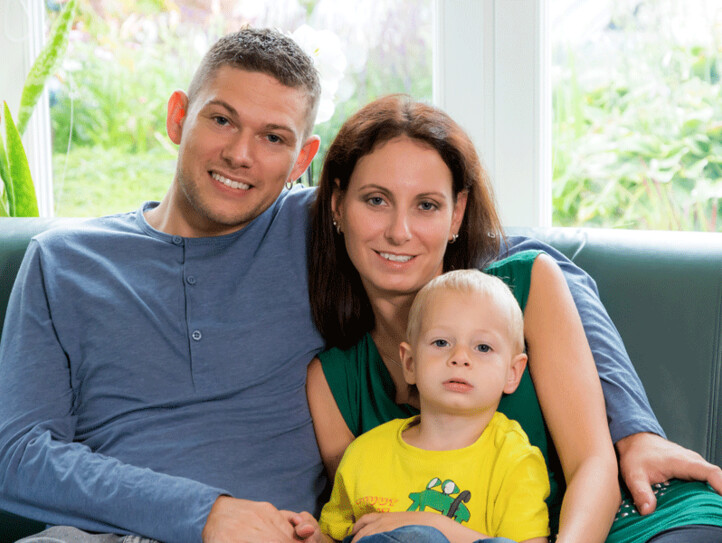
(374, 523)
(306, 527)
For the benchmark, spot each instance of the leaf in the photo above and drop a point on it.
(45, 64)
(21, 192)
(4, 166)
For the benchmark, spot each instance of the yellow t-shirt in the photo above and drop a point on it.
(496, 486)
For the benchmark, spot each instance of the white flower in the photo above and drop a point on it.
(326, 50)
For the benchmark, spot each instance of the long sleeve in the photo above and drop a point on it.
(45, 473)
(628, 409)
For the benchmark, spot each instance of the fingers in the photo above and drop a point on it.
(715, 479)
(641, 490)
(305, 525)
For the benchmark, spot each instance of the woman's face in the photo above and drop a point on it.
(397, 216)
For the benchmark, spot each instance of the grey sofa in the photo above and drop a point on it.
(662, 289)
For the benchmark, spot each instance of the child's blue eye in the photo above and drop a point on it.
(440, 343)
(483, 347)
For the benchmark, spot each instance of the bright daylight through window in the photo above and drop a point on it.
(110, 150)
(637, 126)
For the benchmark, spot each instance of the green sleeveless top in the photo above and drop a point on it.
(364, 392)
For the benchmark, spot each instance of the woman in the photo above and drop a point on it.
(403, 198)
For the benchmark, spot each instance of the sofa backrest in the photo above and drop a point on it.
(663, 290)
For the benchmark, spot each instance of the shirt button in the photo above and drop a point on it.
(197, 335)
(177, 240)
(191, 279)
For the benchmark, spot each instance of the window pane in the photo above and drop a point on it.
(110, 149)
(637, 139)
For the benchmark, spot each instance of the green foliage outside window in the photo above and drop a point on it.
(640, 147)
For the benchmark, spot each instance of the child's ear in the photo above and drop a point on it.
(516, 370)
(407, 363)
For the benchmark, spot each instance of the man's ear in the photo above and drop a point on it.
(407, 363)
(305, 156)
(516, 370)
(177, 109)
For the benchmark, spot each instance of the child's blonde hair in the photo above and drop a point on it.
(469, 281)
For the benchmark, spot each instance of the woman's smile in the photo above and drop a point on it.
(397, 216)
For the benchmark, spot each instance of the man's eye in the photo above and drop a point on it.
(483, 347)
(220, 120)
(440, 343)
(273, 138)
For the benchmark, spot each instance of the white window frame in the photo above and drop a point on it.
(22, 35)
(491, 73)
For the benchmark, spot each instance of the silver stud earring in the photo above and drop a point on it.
(337, 227)
(453, 239)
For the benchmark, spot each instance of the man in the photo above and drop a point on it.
(152, 363)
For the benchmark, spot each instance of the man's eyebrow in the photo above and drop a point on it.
(233, 113)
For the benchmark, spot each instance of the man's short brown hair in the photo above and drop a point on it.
(267, 51)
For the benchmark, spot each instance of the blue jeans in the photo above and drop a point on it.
(417, 534)
(69, 534)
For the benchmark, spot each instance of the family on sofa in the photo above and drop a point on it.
(154, 365)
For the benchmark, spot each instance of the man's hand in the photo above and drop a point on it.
(306, 527)
(646, 459)
(244, 521)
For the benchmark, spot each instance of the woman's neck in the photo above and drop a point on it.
(391, 316)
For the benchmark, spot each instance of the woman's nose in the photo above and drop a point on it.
(398, 230)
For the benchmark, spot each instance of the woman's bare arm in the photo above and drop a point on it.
(332, 433)
(570, 396)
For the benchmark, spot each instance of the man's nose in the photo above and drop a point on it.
(238, 152)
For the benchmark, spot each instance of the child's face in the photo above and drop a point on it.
(462, 359)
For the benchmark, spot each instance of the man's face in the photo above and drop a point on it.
(240, 140)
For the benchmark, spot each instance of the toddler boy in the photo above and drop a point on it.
(459, 458)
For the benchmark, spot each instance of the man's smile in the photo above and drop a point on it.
(229, 182)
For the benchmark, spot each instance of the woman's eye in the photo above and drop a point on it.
(440, 343)
(375, 200)
(483, 347)
(427, 206)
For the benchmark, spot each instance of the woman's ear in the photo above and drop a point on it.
(516, 370)
(459, 209)
(336, 199)
(177, 109)
(407, 363)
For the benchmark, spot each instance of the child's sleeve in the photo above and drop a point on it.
(337, 516)
(520, 510)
